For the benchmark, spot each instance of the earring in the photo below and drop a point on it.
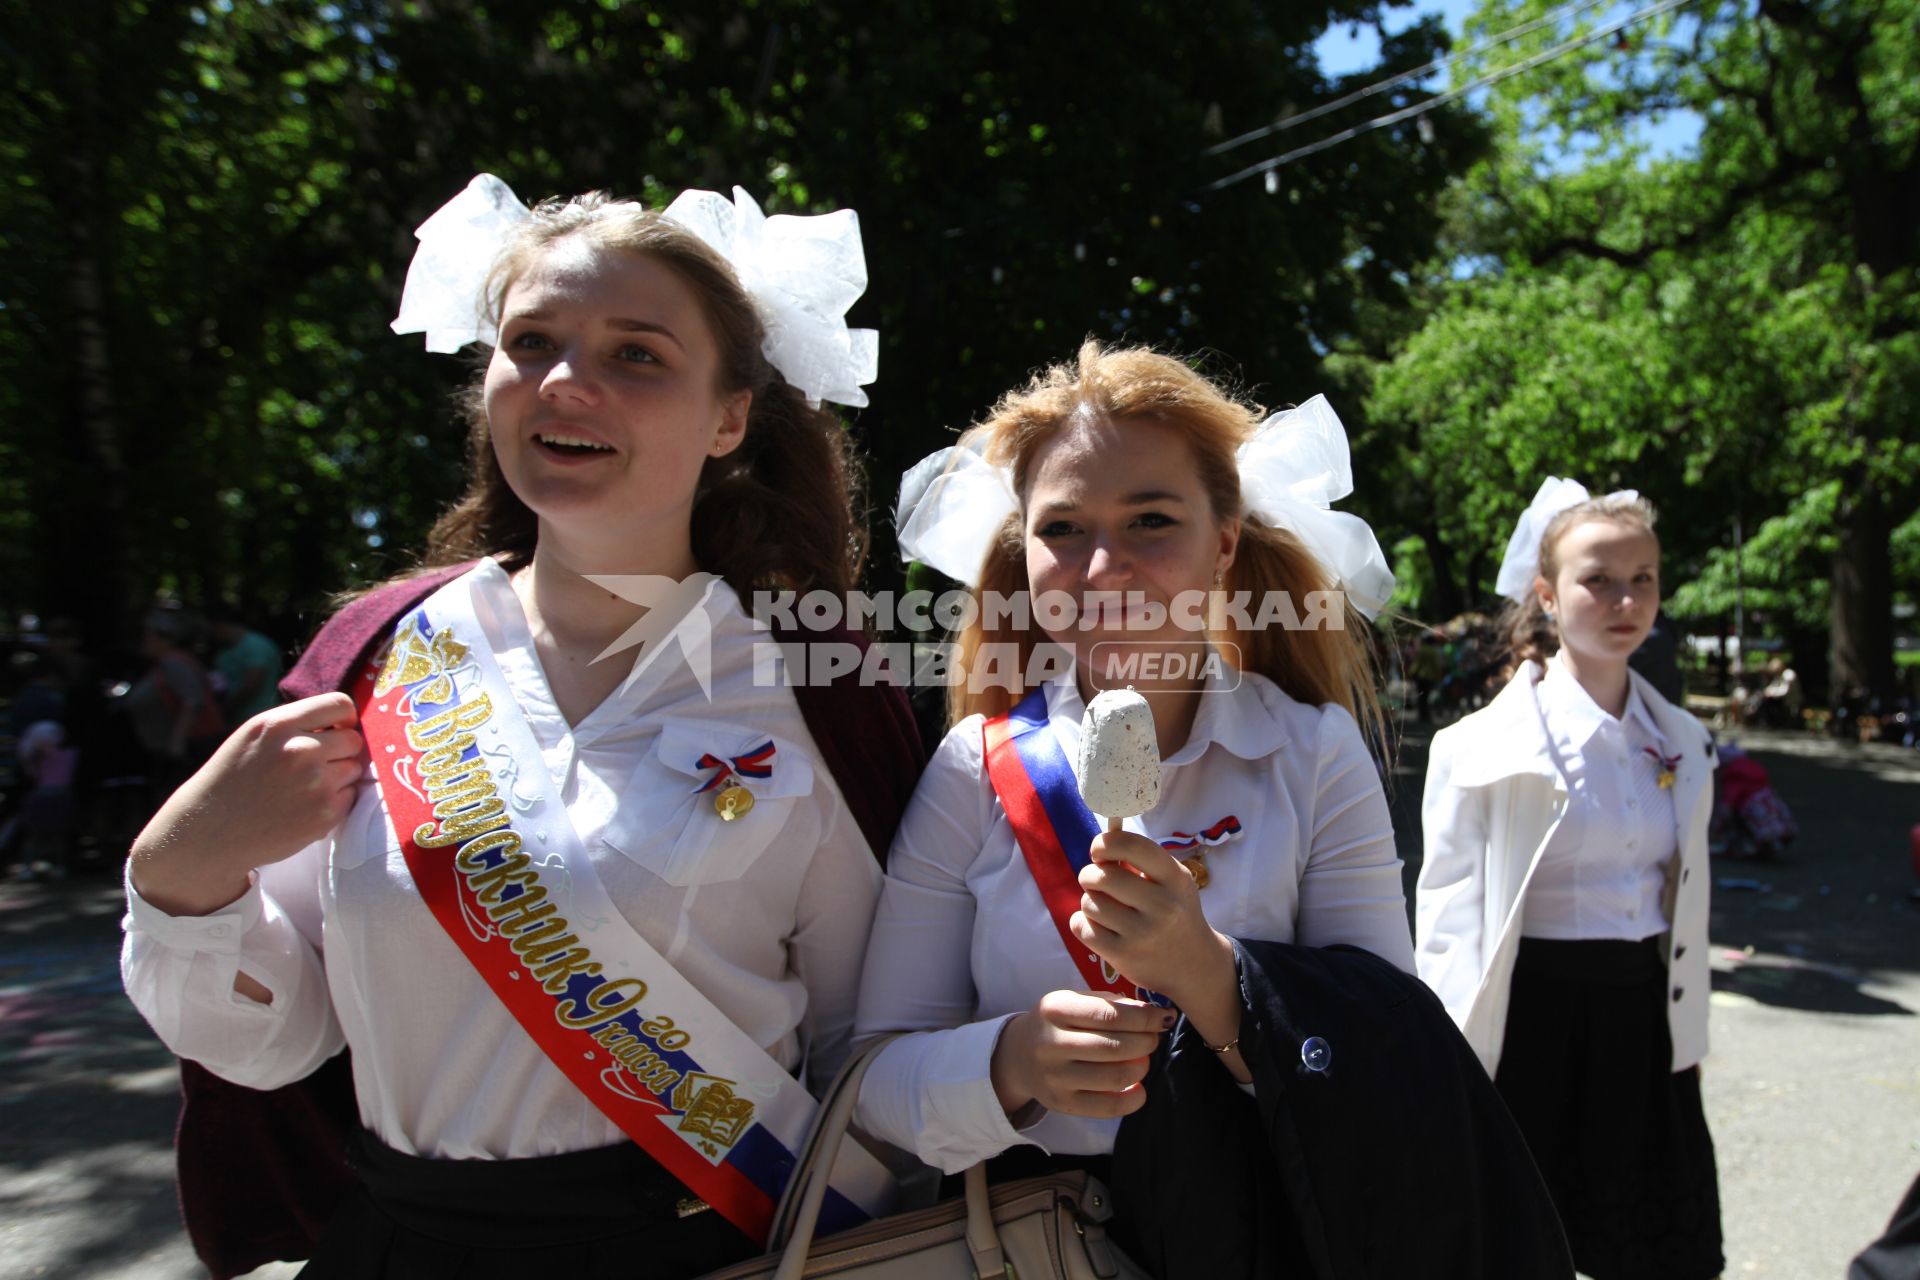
(1219, 576)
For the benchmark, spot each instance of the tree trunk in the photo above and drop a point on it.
(87, 576)
(1860, 648)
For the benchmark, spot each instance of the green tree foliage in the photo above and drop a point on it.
(1735, 331)
(212, 206)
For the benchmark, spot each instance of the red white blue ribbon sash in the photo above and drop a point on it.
(1051, 823)
(498, 863)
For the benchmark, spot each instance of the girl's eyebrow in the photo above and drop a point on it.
(620, 323)
(1140, 499)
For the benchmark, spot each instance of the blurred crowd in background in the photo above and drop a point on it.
(90, 743)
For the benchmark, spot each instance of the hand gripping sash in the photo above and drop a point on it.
(500, 866)
(1051, 823)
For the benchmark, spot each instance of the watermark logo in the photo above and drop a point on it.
(675, 610)
(1189, 662)
(995, 665)
(1129, 638)
(1052, 612)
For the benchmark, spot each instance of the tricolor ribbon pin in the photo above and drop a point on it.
(757, 763)
(1196, 862)
(1667, 766)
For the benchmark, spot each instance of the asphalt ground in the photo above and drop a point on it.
(1812, 1089)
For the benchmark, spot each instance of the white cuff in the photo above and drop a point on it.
(960, 1102)
(931, 1093)
(218, 933)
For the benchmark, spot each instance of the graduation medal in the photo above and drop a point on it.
(1667, 765)
(731, 800)
(1196, 848)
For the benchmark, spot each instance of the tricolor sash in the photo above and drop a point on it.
(1051, 823)
(504, 873)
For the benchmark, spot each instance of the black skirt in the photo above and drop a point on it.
(609, 1213)
(1619, 1136)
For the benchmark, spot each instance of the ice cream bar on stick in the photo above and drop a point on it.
(1119, 757)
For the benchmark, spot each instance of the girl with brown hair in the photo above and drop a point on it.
(592, 890)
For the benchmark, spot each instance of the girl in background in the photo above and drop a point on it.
(1561, 911)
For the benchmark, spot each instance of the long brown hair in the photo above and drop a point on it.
(1313, 666)
(1532, 635)
(779, 512)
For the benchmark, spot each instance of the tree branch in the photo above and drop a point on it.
(1734, 199)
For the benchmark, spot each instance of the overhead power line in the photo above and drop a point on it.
(1395, 81)
(1451, 95)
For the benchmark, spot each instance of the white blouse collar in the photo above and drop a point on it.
(499, 607)
(1572, 711)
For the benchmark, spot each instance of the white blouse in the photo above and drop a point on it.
(962, 940)
(767, 915)
(1603, 873)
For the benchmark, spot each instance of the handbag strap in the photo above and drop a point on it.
(798, 1214)
(983, 1238)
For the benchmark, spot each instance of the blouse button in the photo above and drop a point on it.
(218, 931)
(1679, 951)
(1316, 1054)
(1677, 993)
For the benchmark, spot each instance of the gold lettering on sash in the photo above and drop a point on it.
(453, 828)
(597, 1008)
(468, 859)
(554, 973)
(464, 776)
(537, 946)
(665, 1034)
(441, 759)
(489, 884)
(652, 1071)
(518, 916)
(424, 735)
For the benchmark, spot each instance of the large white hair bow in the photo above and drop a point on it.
(952, 504)
(801, 272)
(1522, 563)
(1295, 467)
(804, 272)
(1291, 473)
(458, 246)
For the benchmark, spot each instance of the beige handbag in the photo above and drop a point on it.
(1033, 1229)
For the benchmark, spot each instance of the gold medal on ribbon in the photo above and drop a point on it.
(1666, 779)
(732, 802)
(1197, 867)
